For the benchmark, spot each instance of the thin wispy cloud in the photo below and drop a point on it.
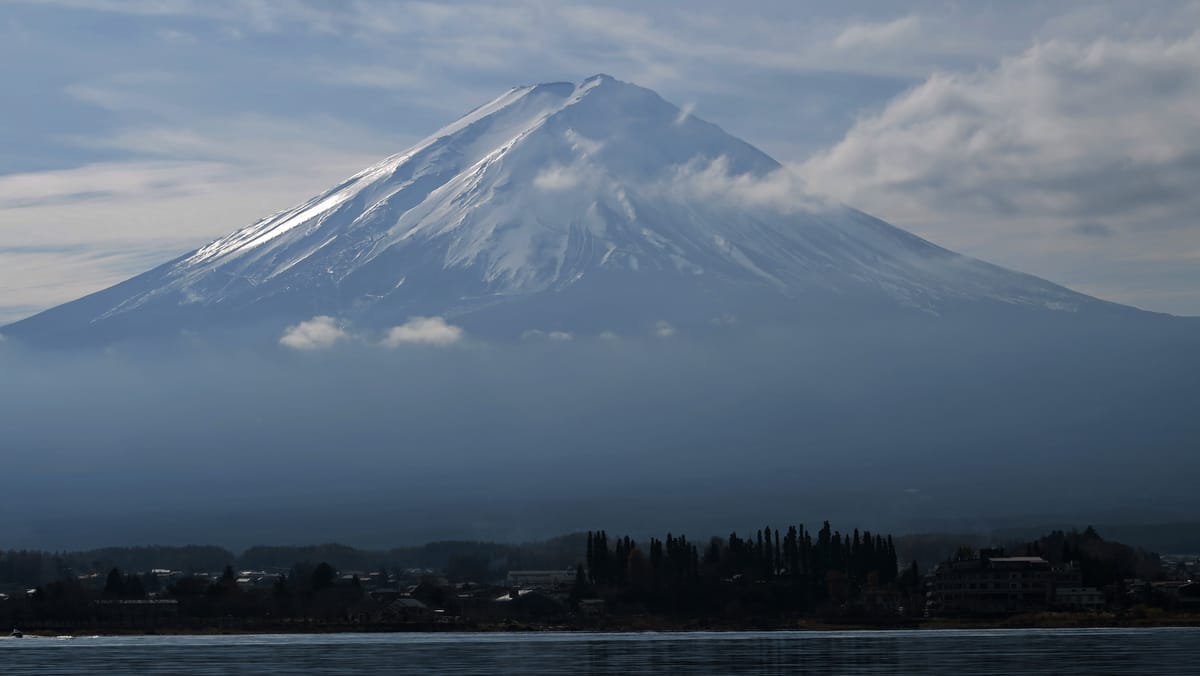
(553, 336)
(878, 35)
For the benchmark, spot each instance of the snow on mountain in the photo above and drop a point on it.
(565, 205)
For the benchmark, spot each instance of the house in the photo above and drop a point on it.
(407, 610)
(1189, 595)
(528, 604)
(992, 583)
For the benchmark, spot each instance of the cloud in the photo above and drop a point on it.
(172, 186)
(423, 331)
(685, 111)
(557, 177)
(583, 145)
(1007, 162)
(703, 179)
(663, 329)
(1092, 229)
(878, 35)
(318, 333)
(554, 336)
(370, 77)
(176, 36)
(102, 181)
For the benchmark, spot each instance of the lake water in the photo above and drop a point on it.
(1032, 651)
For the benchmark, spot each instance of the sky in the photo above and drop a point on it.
(1059, 139)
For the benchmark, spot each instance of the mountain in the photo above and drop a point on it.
(577, 207)
(823, 363)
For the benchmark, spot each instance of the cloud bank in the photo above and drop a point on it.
(1077, 150)
(379, 446)
(318, 333)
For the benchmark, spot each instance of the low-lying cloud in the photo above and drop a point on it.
(394, 444)
(318, 333)
(423, 331)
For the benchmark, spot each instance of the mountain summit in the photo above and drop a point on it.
(560, 206)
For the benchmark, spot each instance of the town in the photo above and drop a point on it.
(766, 579)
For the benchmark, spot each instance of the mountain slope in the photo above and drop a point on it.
(577, 206)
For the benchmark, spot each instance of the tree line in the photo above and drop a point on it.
(795, 569)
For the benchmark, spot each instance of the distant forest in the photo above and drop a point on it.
(470, 560)
(458, 559)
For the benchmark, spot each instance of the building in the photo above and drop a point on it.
(407, 610)
(541, 579)
(992, 583)
(1079, 598)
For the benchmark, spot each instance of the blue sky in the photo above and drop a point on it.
(1059, 139)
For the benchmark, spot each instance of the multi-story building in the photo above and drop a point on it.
(992, 583)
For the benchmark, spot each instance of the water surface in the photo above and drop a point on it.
(1017, 651)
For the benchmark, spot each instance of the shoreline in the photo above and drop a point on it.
(1041, 621)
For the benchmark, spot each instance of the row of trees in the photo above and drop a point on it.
(794, 569)
(1101, 562)
(30, 567)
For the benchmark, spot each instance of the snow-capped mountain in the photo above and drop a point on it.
(587, 206)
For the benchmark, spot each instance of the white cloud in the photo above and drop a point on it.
(557, 177)
(583, 145)
(69, 232)
(371, 77)
(423, 331)
(176, 36)
(1028, 162)
(554, 336)
(685, 111)
(780, 190)
(663, 329)
(878, 35)
(317, 333)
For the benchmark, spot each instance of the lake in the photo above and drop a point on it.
(994, 651)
